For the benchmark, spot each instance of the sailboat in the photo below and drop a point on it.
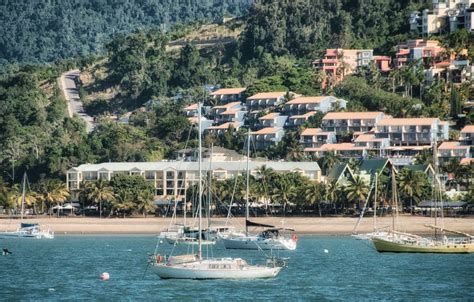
(402, 242)
(28, 230)
(376, 232)
(269, 239)
(194, 266)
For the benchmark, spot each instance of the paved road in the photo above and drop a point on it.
(72, 96)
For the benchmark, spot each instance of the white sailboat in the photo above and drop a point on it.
(270, 239)
(403, 242)
(376, 231)
(28, 230)
(194, 266)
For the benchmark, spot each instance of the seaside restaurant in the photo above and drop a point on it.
(171, 178)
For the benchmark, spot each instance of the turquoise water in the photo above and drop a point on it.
(68, 268)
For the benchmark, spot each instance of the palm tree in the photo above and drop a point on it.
(357, 191)
(284, 191)
(144, 201)
(314, 193)
(332, 193)
(328, 161)
(411, 184)
(99, 192)
(53, 192)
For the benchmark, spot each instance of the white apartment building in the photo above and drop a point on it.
(346, 122)
(265, 100)
(272, 120)
(171, 179)
(316, 137)
(266, 137)
(412, 131)
(227, 95)
(304, 104)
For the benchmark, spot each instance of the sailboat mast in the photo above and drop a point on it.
(394, 199)
(209, 193)
(375, 202)
(200, 183)
(23, 196)
(247, 185)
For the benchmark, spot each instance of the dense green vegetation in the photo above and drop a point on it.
(45, 31)
(137, 74)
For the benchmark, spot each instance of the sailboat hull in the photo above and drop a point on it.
(208, 269)
(257, 243)
(383, 245)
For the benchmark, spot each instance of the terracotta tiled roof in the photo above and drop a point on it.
(268, 130)
(191, 107)
(226, 106)
(267, 95)
(352, 115)
(335, 147)
(466, 161)
(311, 131)
(225, 91)
(451, 146)
(305, 116)
(229, 112)
(367, 138)
(406, 121)
(225, 126)
(468, 129)
(306, 100)
(414, 148)
(269, 116)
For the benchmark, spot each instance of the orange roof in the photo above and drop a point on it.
(306, 100)
(267, 95)
(352, 115)
(311, 131)
(336, 147)
(406, 121)
(226, 106)
(225, 126)
(191, 107)
(466, 161)
(269, 116)
(367, 138)
(305, 116)
(268, 130)
(224, 91)
(451, 145)
(468, 129)
(413, 148)
(229, 112)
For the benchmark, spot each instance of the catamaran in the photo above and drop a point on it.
(402, 242)
(28, 230)
(195, 266)
(270, 239)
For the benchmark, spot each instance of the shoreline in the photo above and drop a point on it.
(330, 226)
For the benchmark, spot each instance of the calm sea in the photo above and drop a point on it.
(68, 268)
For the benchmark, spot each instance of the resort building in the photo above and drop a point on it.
(343, 150)
(227, 95)
(272, 120)
(372, 144)
(265, 100)
(191, 110)
(299, 120)
(267, 137)
(316, 137)
(446, 16)
(467, 135)
(346, 122)
(171, 179)
(383, 63)
(448, 151)
(230, 112)
(413, 50)
(412, 131)
(205, 123)
(304, 104)
(220, 129)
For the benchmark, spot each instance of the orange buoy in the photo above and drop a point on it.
(105, 276)
(294, 237)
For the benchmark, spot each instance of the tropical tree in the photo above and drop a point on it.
(53, 191)
(411, 184)
(284, 190)
(144, 201)
(328, 161)
(99, 192)
(357, 190)
(314, 194)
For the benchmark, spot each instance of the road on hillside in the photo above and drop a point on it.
(71, 93)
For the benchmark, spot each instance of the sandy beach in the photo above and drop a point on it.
(302, 225)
